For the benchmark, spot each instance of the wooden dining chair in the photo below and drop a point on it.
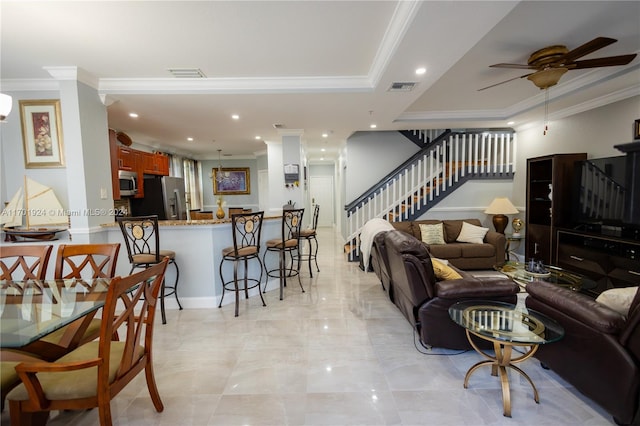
(19, 262)
(94, 373)
(81, 261)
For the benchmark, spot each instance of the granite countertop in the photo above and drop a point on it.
(190, 222)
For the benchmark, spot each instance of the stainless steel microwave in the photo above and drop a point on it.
(128, 183)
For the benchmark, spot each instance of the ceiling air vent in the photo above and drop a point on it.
(402, 86)
(187, 73)
(278, 126)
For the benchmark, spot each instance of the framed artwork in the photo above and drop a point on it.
(42, 133)
(231, 181)
(636, 129)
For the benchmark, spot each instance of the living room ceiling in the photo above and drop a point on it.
(312, 67)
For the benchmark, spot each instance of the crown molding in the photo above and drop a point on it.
(402, 17)
(344, 84)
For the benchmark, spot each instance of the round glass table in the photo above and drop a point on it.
(506, 326)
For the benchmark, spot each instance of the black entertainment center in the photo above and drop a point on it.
(602, 240)
(595, 230)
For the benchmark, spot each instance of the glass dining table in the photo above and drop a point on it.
(31, 309)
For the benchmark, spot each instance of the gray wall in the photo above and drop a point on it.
(246, 201)
(371, 156)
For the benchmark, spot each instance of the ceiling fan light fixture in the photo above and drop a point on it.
(547, 77)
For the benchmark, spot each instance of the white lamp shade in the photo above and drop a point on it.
(6, 103)
(501, 205)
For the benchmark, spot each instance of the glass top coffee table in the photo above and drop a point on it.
(506, 326)
(554, 275)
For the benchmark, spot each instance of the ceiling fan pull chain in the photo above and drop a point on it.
(546, 111)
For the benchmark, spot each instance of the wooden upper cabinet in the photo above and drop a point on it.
(126, 159)
(155, 164)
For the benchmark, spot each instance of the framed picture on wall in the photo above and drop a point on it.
(636, 129)
(231, 180)
(42, 133)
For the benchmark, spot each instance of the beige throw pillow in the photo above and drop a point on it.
(432, 234)
(618, 299)
(472, 234)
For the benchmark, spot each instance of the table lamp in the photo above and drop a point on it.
(500, 207)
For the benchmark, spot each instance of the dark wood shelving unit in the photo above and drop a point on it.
(549, 195)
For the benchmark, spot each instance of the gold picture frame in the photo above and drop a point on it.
(41, 122)
(235, 181)
(636, 129)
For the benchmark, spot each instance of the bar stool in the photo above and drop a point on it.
(288, 243)
(142, 240)
(246, 229)
(309, 235)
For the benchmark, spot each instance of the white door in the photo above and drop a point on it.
(263, 190)
(321, 192)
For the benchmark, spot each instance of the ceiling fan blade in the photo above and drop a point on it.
(589, 47)
(506, 81)
(609, 61)
(516, 66)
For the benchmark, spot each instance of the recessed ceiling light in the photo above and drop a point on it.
(323, 150)
(511, 123)
(373, 126)
(133, 115)
(258, 138)
(421, 71)
(321, 158)
(190, 139)
(235, 117)
(325, 135)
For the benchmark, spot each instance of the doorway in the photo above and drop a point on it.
(321, 192)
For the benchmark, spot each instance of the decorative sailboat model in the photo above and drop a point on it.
(40, 209)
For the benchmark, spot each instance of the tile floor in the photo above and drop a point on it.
(339, 354)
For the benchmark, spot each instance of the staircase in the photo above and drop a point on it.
(600, 196)
(444, 163)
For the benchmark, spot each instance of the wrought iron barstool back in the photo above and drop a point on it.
(288, 243)
(309, 235)
(246, 229)
(142, 239)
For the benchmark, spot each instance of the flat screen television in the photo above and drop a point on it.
(600, 193)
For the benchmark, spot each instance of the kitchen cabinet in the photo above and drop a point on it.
(155, 164)
(126, 159)
(549, 197)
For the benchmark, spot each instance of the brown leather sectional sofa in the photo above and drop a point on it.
(461, 255)
(600, 351)
(425, 301)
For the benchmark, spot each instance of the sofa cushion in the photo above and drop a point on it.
(477, 250)
(452, 228)
(432, 234)
(406, 226)
(618, 299)
(446, 251)
(444, 272)
(472, 233)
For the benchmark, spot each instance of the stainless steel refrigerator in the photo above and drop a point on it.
(164, 196)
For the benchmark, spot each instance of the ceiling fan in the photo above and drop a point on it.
(551, 62)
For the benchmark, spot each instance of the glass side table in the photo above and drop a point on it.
(513, 243)
(506, 326)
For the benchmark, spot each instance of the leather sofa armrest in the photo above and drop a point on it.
(478, 289)
(578, 306)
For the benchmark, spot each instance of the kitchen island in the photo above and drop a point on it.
(198, 246)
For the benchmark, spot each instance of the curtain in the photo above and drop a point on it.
(192, 173)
